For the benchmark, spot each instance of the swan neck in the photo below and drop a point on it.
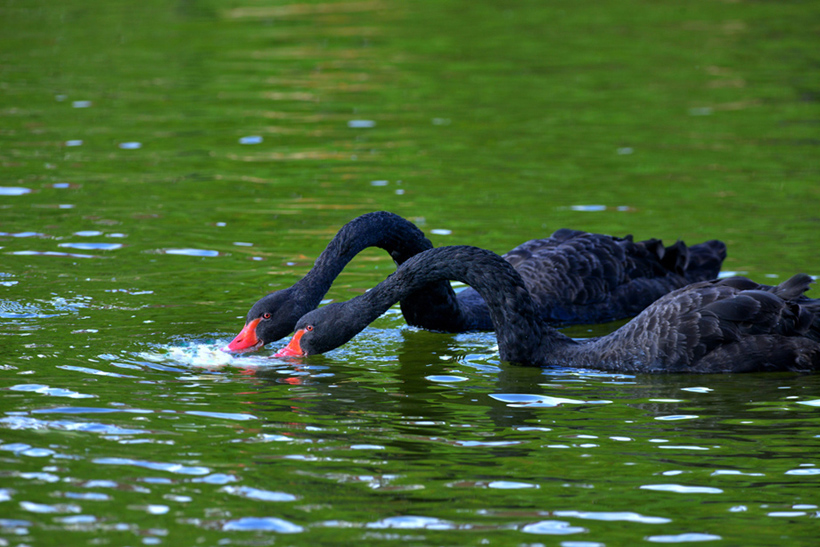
(399, 237)
(520, 332)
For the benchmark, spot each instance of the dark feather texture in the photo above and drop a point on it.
(574, 277)
(731, 325)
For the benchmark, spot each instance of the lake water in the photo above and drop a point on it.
(165, 164)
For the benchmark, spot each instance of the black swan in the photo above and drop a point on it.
(729, 325)
(574, 277)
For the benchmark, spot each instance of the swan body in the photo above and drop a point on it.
(573, 277)
(729, 325)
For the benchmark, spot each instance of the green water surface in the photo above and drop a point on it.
(164, 164)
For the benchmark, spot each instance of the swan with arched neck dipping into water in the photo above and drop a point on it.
(728, 325)
(572, 276)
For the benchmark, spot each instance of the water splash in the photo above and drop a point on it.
(205, 354)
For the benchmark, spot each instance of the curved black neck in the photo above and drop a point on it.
(434, 306)
(522, 338)
(399, 237)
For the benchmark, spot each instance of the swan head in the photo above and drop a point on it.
(271, 318)
(322, 330)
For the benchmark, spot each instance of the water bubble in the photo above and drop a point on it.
(358, 124)
(74, 143)
(130, 145)
(81, 104)
(251, 139)
(441, 231)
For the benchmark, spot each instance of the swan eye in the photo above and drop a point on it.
(266, 315)
(309, 328)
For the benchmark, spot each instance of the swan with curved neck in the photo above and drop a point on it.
(573, 276)
(730, 325)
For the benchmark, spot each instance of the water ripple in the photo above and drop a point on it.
(45, 508)
(222, 415)
(13, 191)
(14, 526)
(51, 253)
(158, 466)
(51, 391)
(525, 400)
(266, 524)
(361, 124)
(446, 379)
(806, 472)
(681, 489)
(26, 423)
(257, 494)
(190, 252)
(92, 246)
(613, 516)
(217, 478)
(552, 527)
(89, 410)
(411, 522)
(683, 538)
(22, 234)
(94, 371)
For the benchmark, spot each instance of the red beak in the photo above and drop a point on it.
(245, 340)
(294, 348)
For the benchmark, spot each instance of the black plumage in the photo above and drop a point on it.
(730, 325)
(574, 277)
